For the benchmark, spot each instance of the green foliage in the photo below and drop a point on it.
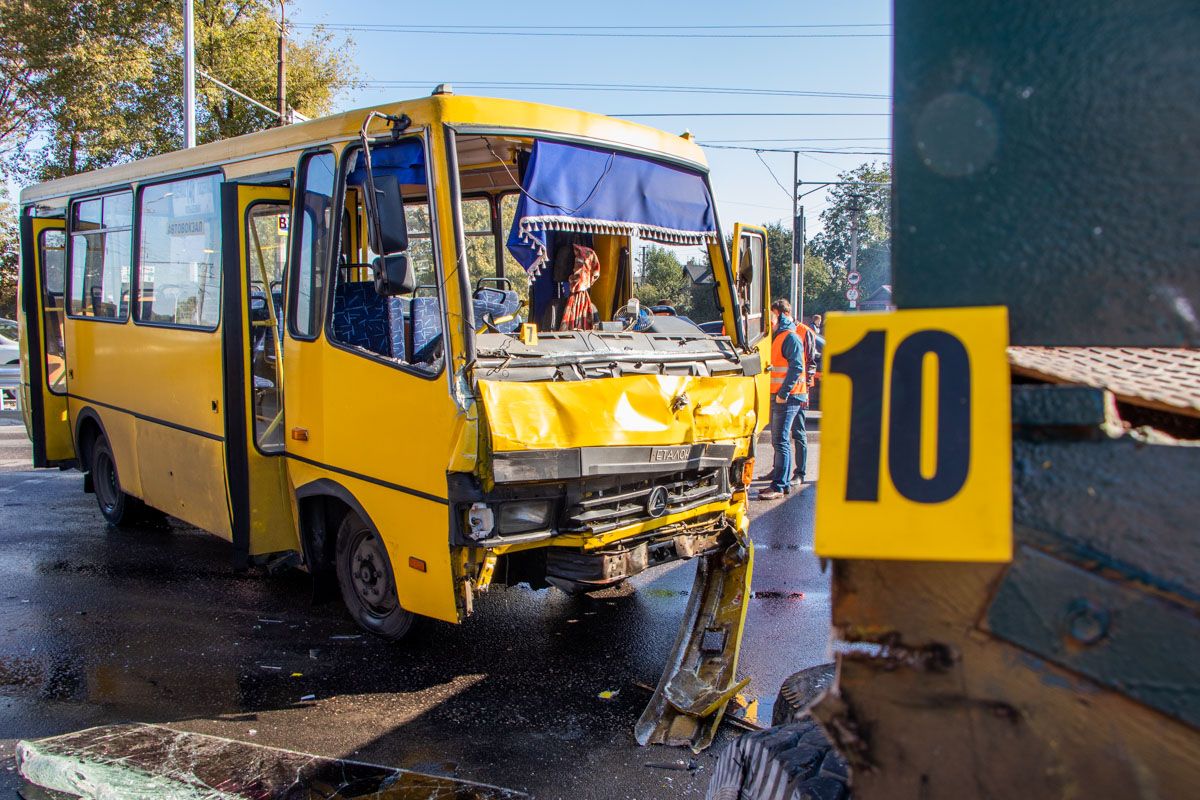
(85, 84)
(874, 226)
(824, 290)
(664, 281)
(10, 256)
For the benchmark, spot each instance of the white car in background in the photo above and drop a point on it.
(10, 351)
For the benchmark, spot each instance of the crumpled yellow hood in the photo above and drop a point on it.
(630, 410)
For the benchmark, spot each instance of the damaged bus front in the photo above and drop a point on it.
(610, 375)
(614, 433)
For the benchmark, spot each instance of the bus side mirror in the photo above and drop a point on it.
(393, 275)
(385, 208)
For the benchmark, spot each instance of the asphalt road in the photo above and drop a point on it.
(99, 625)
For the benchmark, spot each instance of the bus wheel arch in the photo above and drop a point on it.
(337, 532)
(88, 430)
(96, 454)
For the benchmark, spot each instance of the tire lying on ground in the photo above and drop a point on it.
(800, 691)
(789, 762)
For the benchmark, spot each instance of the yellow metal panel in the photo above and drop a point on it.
(183, 475)
(169, 375)
(630, 410)
(890, 499)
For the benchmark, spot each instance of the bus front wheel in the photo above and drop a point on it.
(367, 582)
(118, 508)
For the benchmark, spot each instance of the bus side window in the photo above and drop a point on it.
(101, 251)
(312, 228)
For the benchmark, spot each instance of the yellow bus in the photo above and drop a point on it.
(401, 346)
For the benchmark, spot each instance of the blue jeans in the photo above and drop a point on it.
(787, 425)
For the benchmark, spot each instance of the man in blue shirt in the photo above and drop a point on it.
(793, 352)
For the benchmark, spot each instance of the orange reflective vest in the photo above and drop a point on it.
(779, 364)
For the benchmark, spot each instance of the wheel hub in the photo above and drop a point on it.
(371, 576)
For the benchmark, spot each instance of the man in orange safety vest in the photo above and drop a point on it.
(793, 357)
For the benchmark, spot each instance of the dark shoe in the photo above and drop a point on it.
(769, 494)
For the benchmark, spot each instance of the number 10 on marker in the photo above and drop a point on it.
(916, 437)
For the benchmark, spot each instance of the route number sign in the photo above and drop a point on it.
(916, 437)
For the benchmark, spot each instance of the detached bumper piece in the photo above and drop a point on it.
(576, 571)
(152, 761)
(699, 679)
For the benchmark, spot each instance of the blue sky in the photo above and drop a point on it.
(841, 59)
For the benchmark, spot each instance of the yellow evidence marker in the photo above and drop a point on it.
(916, 436)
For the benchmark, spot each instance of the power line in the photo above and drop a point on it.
(605, 27)
(778, 182)
(631, 87)
(825, 139)
(581, 34)
(824, 151)
(762, 114)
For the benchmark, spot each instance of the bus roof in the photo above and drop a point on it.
(480, 112)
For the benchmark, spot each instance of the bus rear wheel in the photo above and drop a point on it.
(118, 508)
(367, 581)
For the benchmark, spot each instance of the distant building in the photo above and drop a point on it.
(880, 300)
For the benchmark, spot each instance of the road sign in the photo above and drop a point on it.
(916, 441)
(852, 294)
(853, 278)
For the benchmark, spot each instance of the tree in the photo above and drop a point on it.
(10, 250)
(873, 201)
(823, 289)
(85, 84)
(663, 281)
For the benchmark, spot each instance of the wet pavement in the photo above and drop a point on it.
(100, 626)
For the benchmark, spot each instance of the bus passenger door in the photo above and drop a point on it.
(260, 497)
(752, 271)
(43, 355)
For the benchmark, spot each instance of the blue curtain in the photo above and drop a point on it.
(581, 189)
(404, 159)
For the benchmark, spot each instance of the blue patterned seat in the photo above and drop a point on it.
(398, 308)
(492, 305)
(426, 327)
(360, 317)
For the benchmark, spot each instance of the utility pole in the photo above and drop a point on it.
(854, 208)
(189, 76)
(803, 240)
(281, 83)
(797, 245)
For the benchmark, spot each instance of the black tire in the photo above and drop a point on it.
(800, 691)
(367, 581)
(118, 507)
(797, 759)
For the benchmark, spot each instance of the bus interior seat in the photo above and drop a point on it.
(426, 326)
(497, 304)
(399, 309)
(360, 316)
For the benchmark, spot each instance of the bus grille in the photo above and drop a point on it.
(599, 507)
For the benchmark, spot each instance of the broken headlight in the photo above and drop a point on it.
(524, 515)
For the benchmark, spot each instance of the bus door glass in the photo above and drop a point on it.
(751, 271)
(44, 315)
(264, 213)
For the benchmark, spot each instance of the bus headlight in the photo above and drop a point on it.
(525, 515)
(480, 521)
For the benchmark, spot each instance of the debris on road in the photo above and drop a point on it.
(145, 761)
